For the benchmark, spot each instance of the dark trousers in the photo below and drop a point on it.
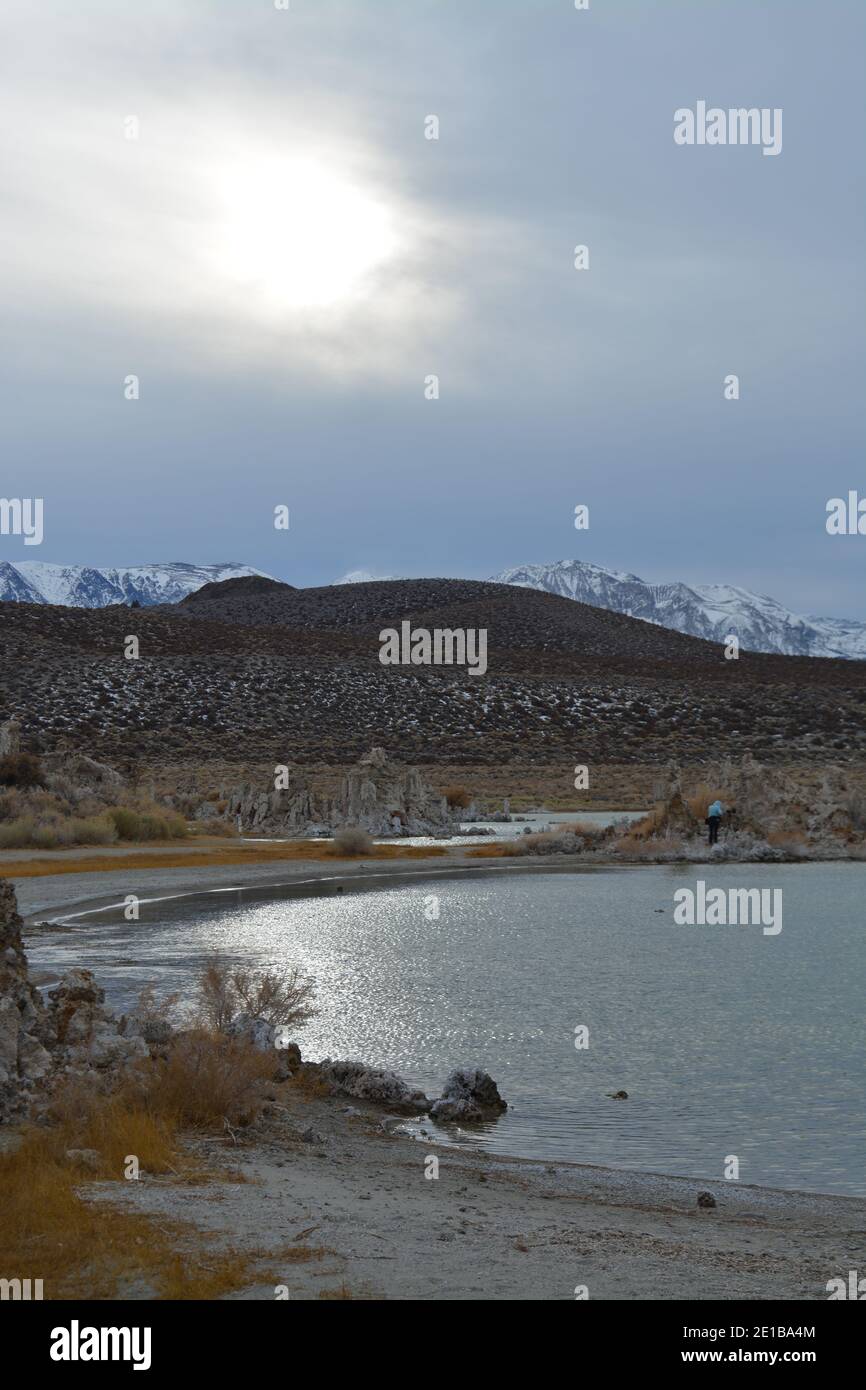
(713, 822)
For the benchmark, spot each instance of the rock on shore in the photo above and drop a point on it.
(39, 1043)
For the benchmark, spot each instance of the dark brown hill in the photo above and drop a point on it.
(256, 670)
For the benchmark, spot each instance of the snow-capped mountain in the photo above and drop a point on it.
(701, 610)
(83, 586)
(363, 577)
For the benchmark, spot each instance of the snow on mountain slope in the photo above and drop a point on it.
(363, 577)
(712, 611)
(83, 586)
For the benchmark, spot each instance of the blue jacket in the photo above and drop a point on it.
(717, 809)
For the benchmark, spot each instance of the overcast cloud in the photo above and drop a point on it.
(299, 379)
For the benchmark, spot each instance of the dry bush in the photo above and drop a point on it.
(283, 998)
(74, 830)
(457, 797)
(204, 1080)
(792, 840)
(351, 839)
(586, 830)
(310, 1082)
(114, 1123)
(18, 833)
(154, 1014)
(702, 797)
(648, 824)
(34, 817)
(215, 825)
(11, 806)
(147, 823)
(21, 770)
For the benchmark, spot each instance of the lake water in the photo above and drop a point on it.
(728, 1041)
(531, 822)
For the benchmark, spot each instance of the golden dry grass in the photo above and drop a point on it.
(87, 1247)
(157, 857)
(92, 1249)
(503, 850)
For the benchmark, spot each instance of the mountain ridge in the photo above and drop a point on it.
(93, 586)
(711, 611)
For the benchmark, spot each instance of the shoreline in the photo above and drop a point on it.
(101, 887)
(335, 1174)
(38, 894)
(492, 1225)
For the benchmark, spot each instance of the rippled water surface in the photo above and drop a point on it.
(727, 1041)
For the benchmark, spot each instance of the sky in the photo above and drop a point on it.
(238, 205)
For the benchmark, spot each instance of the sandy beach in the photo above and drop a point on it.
(332, 1175)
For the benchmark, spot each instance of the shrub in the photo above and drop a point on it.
(206, 1079)
(18, 833)
(21, 770)
(155, 824)
(351, 839)
(702, 797)
(457, 797)
(281, 998)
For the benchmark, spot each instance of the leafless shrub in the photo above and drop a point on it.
(283, 998)
(351, 839)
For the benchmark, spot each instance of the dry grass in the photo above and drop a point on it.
(202, 1082)
(310, 1083)
(93, 1250)
(87, 1249)
(157, 857)
(701, 797)
(787, 839)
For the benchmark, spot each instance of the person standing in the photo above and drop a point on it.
(714, 820)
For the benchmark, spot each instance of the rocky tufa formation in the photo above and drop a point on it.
(39, 1043)
(381, 796)
(762, 801)
(385, 798)
(24, 1058)
(367, 1083)
(10, 738)
(767, 799)
(469, 1094)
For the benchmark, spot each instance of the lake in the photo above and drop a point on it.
(728, 1041)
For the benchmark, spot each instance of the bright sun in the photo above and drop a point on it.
(298, 235)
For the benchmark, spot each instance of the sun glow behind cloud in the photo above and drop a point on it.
(298, 234)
